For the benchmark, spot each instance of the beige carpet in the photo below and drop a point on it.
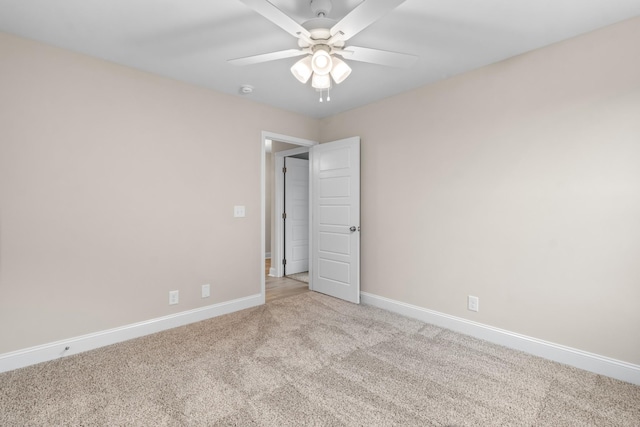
(311, 360)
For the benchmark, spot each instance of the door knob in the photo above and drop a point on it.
(353, 228)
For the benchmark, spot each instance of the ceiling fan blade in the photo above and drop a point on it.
(376, 56)
(265, 57)
(365, 14)
(278, 17)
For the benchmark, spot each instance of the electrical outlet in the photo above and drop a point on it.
(206, 291)
(174, 297)
(473, 303)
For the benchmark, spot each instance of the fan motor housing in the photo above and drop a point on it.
(319, 29)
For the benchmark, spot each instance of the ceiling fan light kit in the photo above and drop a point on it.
(320, 39)
(322, 66)
(301, 70)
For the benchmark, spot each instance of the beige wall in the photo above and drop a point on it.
(117, 186)
(518, 183)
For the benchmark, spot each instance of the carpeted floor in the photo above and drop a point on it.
(311, 360)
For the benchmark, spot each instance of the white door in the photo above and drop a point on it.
(335, 191)
(296, 222)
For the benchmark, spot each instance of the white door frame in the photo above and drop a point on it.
(267, 135)
(277, 251)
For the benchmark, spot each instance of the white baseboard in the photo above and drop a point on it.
(54, 350)
(267, 255)
(569, 356)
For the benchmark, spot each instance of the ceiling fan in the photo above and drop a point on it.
(322, 39)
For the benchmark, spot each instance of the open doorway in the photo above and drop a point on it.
(290, 212)
(293, 196)
(334, 236)
(275, 150)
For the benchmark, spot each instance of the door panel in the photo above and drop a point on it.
(336, 243)
(335, 187)
(335, 210)
(335, 271)
(339, 215)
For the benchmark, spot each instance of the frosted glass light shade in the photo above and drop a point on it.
(340, 70)
(320, 81)
(301, 70)
(321, 62)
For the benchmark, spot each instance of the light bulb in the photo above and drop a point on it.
(321, 62)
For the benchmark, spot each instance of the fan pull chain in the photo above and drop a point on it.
(328, 96)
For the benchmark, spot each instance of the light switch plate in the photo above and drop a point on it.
(174, 297)
(239, 211)
(473, 303)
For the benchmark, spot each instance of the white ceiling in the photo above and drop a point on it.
(191, 40)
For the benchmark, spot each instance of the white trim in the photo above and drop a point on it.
(267, 255)
(55, 350)
(272, 272)
(570, 356)
(286, 138)
(263, 213)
